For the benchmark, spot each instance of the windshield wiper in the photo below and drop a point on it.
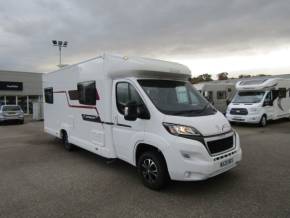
(192, 110)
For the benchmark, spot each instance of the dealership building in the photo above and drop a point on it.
(22, 88)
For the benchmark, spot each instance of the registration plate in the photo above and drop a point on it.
(238, 118)
(226, 162)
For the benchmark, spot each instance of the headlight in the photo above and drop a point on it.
(181, 130)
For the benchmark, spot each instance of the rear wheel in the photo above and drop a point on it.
(64, 137)
(152, 170)
(263, 121)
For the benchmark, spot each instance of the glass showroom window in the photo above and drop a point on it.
(11, 100)
(22, 102)
(32, 99)
(2, 100)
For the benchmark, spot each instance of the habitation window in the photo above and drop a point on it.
(282, 92)
(73, 94)
(87, 92)
(221, 95)
(125, 93)
(48, 95)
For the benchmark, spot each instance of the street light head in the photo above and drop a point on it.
(60, 43)
(64, 43)
(54, 42)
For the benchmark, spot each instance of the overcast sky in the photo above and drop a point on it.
(208, 36)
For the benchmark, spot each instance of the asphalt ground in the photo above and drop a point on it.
(38, 178)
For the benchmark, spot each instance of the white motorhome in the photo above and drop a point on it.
(218, 94)
(260, 100)
(142, 111)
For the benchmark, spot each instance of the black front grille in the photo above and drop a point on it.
(220, 145)
(239, 111)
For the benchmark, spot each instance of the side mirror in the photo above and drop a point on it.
(130, 111)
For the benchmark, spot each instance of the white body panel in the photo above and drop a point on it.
(114, 137)
(279, 108)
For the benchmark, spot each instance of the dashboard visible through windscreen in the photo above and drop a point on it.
(177, 98)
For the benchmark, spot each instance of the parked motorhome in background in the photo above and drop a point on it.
(260, 100)
(218, 94)
(142, 111)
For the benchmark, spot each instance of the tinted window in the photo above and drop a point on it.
(282, 92)
(221, 95)
(73, 94)
(48, 95)
(125, 93)
(268, 97)
(249, 97)
(87, 92)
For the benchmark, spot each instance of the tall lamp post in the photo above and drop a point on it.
(60, 44)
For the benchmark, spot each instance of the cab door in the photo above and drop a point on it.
(126, 133)
(268, 106)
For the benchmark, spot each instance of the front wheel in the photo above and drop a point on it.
(152, 170)
(263, 121)
(68, 146)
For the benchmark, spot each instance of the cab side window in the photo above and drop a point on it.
(125, 93)
(282, 92)
(268, 97)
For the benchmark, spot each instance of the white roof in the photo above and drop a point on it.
(200, 86)
(126, 66)
(258, 84)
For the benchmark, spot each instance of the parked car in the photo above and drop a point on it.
(11, 113)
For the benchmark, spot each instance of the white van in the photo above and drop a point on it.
(218, 94)
(260, 100)
(142, 111)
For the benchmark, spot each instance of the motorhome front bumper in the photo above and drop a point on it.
(191, 161)
(244, 119)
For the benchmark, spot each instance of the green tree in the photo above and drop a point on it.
(201, 78)
(223, 76)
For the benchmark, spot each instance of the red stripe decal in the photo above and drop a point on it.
(76, 106)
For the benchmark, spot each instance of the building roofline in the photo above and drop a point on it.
(18, 71)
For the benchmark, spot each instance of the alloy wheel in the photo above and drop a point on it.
(149, 170)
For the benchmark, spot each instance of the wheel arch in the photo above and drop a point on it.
(143, 147)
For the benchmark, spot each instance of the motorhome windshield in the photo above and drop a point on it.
(176, 98)
(249, 97)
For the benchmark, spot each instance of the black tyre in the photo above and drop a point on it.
(21, 121)
(263, 121)
(152, 170)
(64, 137)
